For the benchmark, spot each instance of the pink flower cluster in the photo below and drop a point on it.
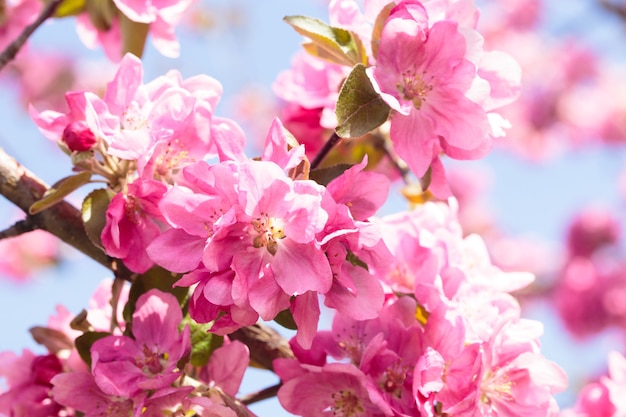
(138, 373)
(454, 344)
(139, 137)
(429, 66)
(247, 225)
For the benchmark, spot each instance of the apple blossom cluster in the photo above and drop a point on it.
(146, 371)
(427, 62)
(215, 240)
(449, 340)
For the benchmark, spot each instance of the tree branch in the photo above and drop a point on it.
(11, 51)
(265, 344)
(264, 394)
(23, 188)
(18, 228)
(619, 11)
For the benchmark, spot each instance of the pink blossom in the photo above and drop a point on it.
(80, 391)
(447, 371)
(516, 380)
(28, 384)
(340, 388)
(161, 16)
(226, 367)
(124, 366)
(312, 83)
(78, 137)
(132, 222)
(423, 74)
(163, 125)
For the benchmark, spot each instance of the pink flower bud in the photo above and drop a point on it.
(78, 137)
(45, 367)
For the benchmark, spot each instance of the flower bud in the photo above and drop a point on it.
(78, 137)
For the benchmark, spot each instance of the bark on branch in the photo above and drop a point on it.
(23, 188)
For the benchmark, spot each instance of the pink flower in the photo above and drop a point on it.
(312, 83)
(340, 388)
(132, 222)
(517, 380)
(28, 381)
(161, 15)
(78, 137)
(275, 231)
(424, 75)
(226, 367)
(124, 366)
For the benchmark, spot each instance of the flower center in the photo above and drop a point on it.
(394, 378)
(151, 363)
(172, 158)
(346, 404)
(496, 387)
(267, 231)
(133, 118)
(414, 87)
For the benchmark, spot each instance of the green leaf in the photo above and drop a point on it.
(158, 278)
(324, 176)
(70, 8)
(59, 191)
(330, 43)
(84, 342)
(285, 319)
(360, 109)
(203, 343)
(93, 212)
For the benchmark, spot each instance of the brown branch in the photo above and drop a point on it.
(11, 51)
(328, 145)
(18, 228)
(23, 188)
(620, 11)
(264, 394)
(265, 344)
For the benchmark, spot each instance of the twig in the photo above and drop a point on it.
(397, 163)
(18, 228)
(264, 394)
(330, 143)
(264, 343)
(11, 51)
(23, 188)
(614, 8)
